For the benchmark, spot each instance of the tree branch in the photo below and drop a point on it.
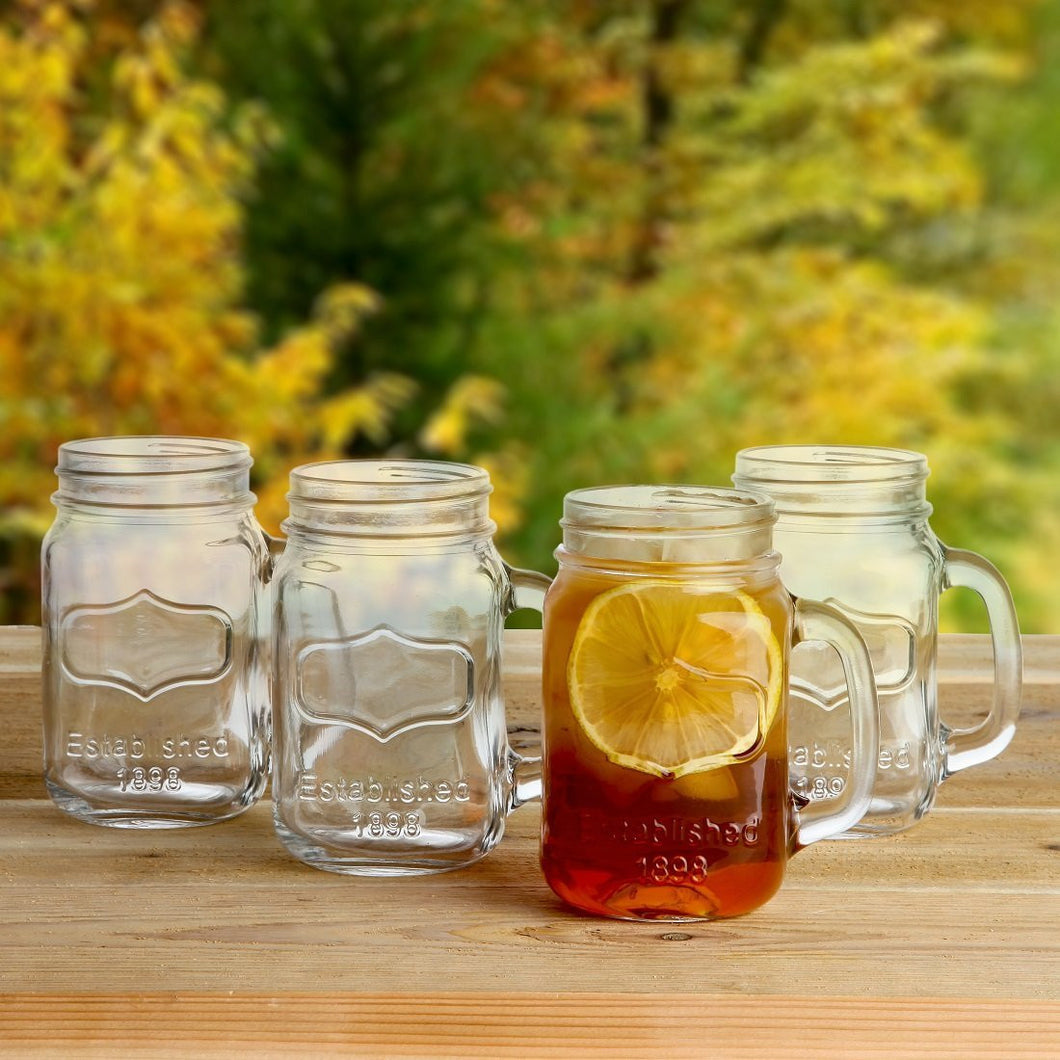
(766, 18)
(658, 105)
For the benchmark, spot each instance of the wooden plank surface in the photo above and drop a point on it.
(226, 907)
(944, 941)
(509, 1024)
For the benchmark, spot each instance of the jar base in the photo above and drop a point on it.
(888, 816)
(142, 817)
(427, 862)
(863, 831)
(602, 888)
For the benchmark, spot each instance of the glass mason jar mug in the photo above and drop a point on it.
(667, 634)
(853, 530)
(155, 682)
(391, 753)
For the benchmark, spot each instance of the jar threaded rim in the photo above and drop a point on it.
(155, 472)
(838, 482)
(390, 498)
(679, 524)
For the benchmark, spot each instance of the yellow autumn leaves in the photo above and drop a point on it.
(121, 275)
(601, 242)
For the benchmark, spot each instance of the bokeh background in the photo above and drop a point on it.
(575, 241)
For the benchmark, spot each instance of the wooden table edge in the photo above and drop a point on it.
(513, 1023)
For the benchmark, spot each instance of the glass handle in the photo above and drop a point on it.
(817, 621)
(969, 747)
(528, 590)
(274, 547)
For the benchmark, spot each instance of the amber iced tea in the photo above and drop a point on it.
(665, 839)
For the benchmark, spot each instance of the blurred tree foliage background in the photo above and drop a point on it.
(574, 241)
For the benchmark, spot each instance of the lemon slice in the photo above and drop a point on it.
(671, 679)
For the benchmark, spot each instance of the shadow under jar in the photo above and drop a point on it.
(391, 753)
(155, 673)
(852, 528)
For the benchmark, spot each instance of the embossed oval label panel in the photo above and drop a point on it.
(383, 683)
(146, 645)
(817, 674)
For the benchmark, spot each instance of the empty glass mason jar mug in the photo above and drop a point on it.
(667, 635)
(391, 753)
(853, 530)
(155, 674)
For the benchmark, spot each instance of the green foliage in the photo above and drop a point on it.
(121, 180)
(618, 241)
(735, 245)
(380, 176)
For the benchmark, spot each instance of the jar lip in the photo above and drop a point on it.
(387, 480)
(682, 509)
(815, 464)
(140, 454)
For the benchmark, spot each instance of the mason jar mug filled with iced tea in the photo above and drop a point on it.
(667, 635)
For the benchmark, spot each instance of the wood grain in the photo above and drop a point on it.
(508, 1024)
(944, 941)
(206, 909)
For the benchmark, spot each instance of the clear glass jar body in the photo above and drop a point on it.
(155, 676)
(632, 841)
(391, 752)
(853, 530)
